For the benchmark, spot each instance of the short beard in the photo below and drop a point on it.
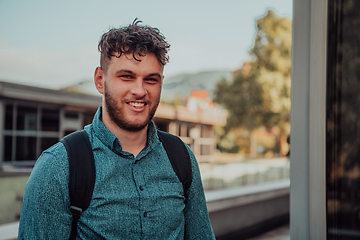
(116, 115)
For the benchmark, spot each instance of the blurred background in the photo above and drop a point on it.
(226, 93)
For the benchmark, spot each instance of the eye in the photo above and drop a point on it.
(125, 76)
(151, 80)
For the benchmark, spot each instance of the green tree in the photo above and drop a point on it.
(259, 95)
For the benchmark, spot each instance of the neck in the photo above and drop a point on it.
(132, 142)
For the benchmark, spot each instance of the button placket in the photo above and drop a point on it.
(140, 183)
(138, 178)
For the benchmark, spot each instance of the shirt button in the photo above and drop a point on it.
(145, 214)
(141, 188)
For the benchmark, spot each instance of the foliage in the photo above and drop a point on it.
(259, 95)
(272, 50)
(226, 142)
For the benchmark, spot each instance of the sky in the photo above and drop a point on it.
(53, 44)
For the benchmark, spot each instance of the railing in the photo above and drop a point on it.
(244, 173)
(259, 173)
(242, 212)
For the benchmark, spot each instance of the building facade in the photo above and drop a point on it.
(32, 119)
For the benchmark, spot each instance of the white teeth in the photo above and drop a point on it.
(137, 104)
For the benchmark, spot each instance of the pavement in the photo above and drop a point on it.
(281, 233)
(9, 231)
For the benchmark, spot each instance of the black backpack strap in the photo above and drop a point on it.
(179, 158)
(81, 174)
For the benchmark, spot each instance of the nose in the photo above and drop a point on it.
(138, 88)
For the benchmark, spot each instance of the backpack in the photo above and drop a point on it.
(82, 169)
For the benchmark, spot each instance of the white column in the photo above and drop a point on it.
(307, 192)
(317, 115)
(174, 128)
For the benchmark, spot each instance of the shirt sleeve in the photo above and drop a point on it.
(197, 222)
(45, 210)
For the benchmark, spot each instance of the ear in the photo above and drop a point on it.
(99, 79)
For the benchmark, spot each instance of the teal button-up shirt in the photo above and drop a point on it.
(133, 198)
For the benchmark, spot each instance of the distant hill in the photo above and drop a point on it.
(84, 86)
(177, 85)
(183, 84)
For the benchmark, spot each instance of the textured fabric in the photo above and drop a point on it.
(133, 198)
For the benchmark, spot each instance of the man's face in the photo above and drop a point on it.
(131, 90)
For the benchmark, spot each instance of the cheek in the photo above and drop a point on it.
(155, 91)
(117, 90)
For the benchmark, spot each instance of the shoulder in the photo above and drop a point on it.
(56, 149)
(55, 155)
(46, 197)
(51, 165)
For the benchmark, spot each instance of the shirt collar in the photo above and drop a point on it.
(111, 141)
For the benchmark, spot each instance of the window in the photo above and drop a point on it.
(88, 118)
(26, 118)
(71, 115)
(343, 120)
(47, 142)
(26, 148)
(8, 148)
(50, 120)
(9, 116)
(29, 129)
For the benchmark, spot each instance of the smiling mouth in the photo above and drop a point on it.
(137, 104)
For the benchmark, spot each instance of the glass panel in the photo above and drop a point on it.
(26, 118)
(7, 148)
(343, 120)
(47, 142)
(88, 118)
(8, 116)
(50, 120)
(71, 115)
(25, 148)
(68, 131)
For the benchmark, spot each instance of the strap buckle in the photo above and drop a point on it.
(75, 211)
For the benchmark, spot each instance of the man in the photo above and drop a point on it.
(137, 194)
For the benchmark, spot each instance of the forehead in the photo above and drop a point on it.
(142, 64)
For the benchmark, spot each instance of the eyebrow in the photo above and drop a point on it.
(124, 71)
(154, 75)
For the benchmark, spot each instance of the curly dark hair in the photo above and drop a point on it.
(135, 39)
